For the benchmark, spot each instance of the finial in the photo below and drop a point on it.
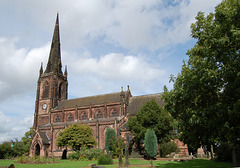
(122, 89)
(41, 69)
(128, 87)
(65, 72)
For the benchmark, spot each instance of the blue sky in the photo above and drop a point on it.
(106, 45)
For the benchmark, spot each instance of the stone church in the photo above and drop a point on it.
(54, 111)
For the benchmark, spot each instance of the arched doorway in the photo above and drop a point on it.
(64, 154)
(37, 150)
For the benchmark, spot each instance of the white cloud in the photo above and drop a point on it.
(135, 24)
(115, 66)
(92, 76)
(13, 127)
(19, 67)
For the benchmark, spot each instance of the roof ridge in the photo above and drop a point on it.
(95, 95)
(153, 94)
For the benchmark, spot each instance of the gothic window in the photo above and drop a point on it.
(45, 90)
(60, 91)
(57, 119)
(114, 113)
(99, 115)
(37, 150)
(70, 117)
(84, 116)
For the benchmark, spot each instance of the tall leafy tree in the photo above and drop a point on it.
(206, 94)
(150, 144)
(76, 136)
(109, 137)
(6, 151)
(27, 140)
(151, 116)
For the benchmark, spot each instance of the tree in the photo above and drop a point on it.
(27, 140)
(76, 136)
(110, 134)
(17, 148)
(206, 94)
(151, 116)
(6, 151)
(150, 144)
(118, 146)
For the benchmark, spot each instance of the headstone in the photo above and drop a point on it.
(120, 161)
(126, 155)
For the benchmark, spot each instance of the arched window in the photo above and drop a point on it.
(60, 91)
(84, 116)
(70, 117)
(99, 115)
(37, 150)
(45, 90)
(57, 119)
(114, 113)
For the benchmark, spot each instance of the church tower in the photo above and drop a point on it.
(52, 84)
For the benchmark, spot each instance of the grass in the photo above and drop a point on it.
(198, 163)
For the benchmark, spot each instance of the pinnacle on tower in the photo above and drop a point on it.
(54, 61)
(65, 72)
(41, 69)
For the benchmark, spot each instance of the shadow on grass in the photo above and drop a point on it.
(198, 163)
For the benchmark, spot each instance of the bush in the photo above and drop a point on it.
(91, 154)
(224, 152)
(105, 160)
(167, 148)
(74, 155)
(86, 154)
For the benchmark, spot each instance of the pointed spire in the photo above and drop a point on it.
(65, 72)
(41, 69)
(54, 60)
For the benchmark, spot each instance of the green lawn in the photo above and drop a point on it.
(198, 163)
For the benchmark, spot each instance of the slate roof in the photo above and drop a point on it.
(44, 137)
(135, 103)
(93, 100)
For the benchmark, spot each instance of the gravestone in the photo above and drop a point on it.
(120, 161)
(126, 155)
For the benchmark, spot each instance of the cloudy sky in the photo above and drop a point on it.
(106, 45)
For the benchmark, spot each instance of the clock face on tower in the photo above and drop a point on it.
(44, 106)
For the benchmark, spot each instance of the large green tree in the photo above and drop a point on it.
(151, 116)
(206, 94)
(76, 136)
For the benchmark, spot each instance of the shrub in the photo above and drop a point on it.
(91, 154)
(167, 148)
(86, 154)
(74, 155)
(105, 160)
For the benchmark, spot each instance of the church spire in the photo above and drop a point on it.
(54, 61)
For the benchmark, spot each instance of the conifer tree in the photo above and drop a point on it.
(150, 144)
(110, 134)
